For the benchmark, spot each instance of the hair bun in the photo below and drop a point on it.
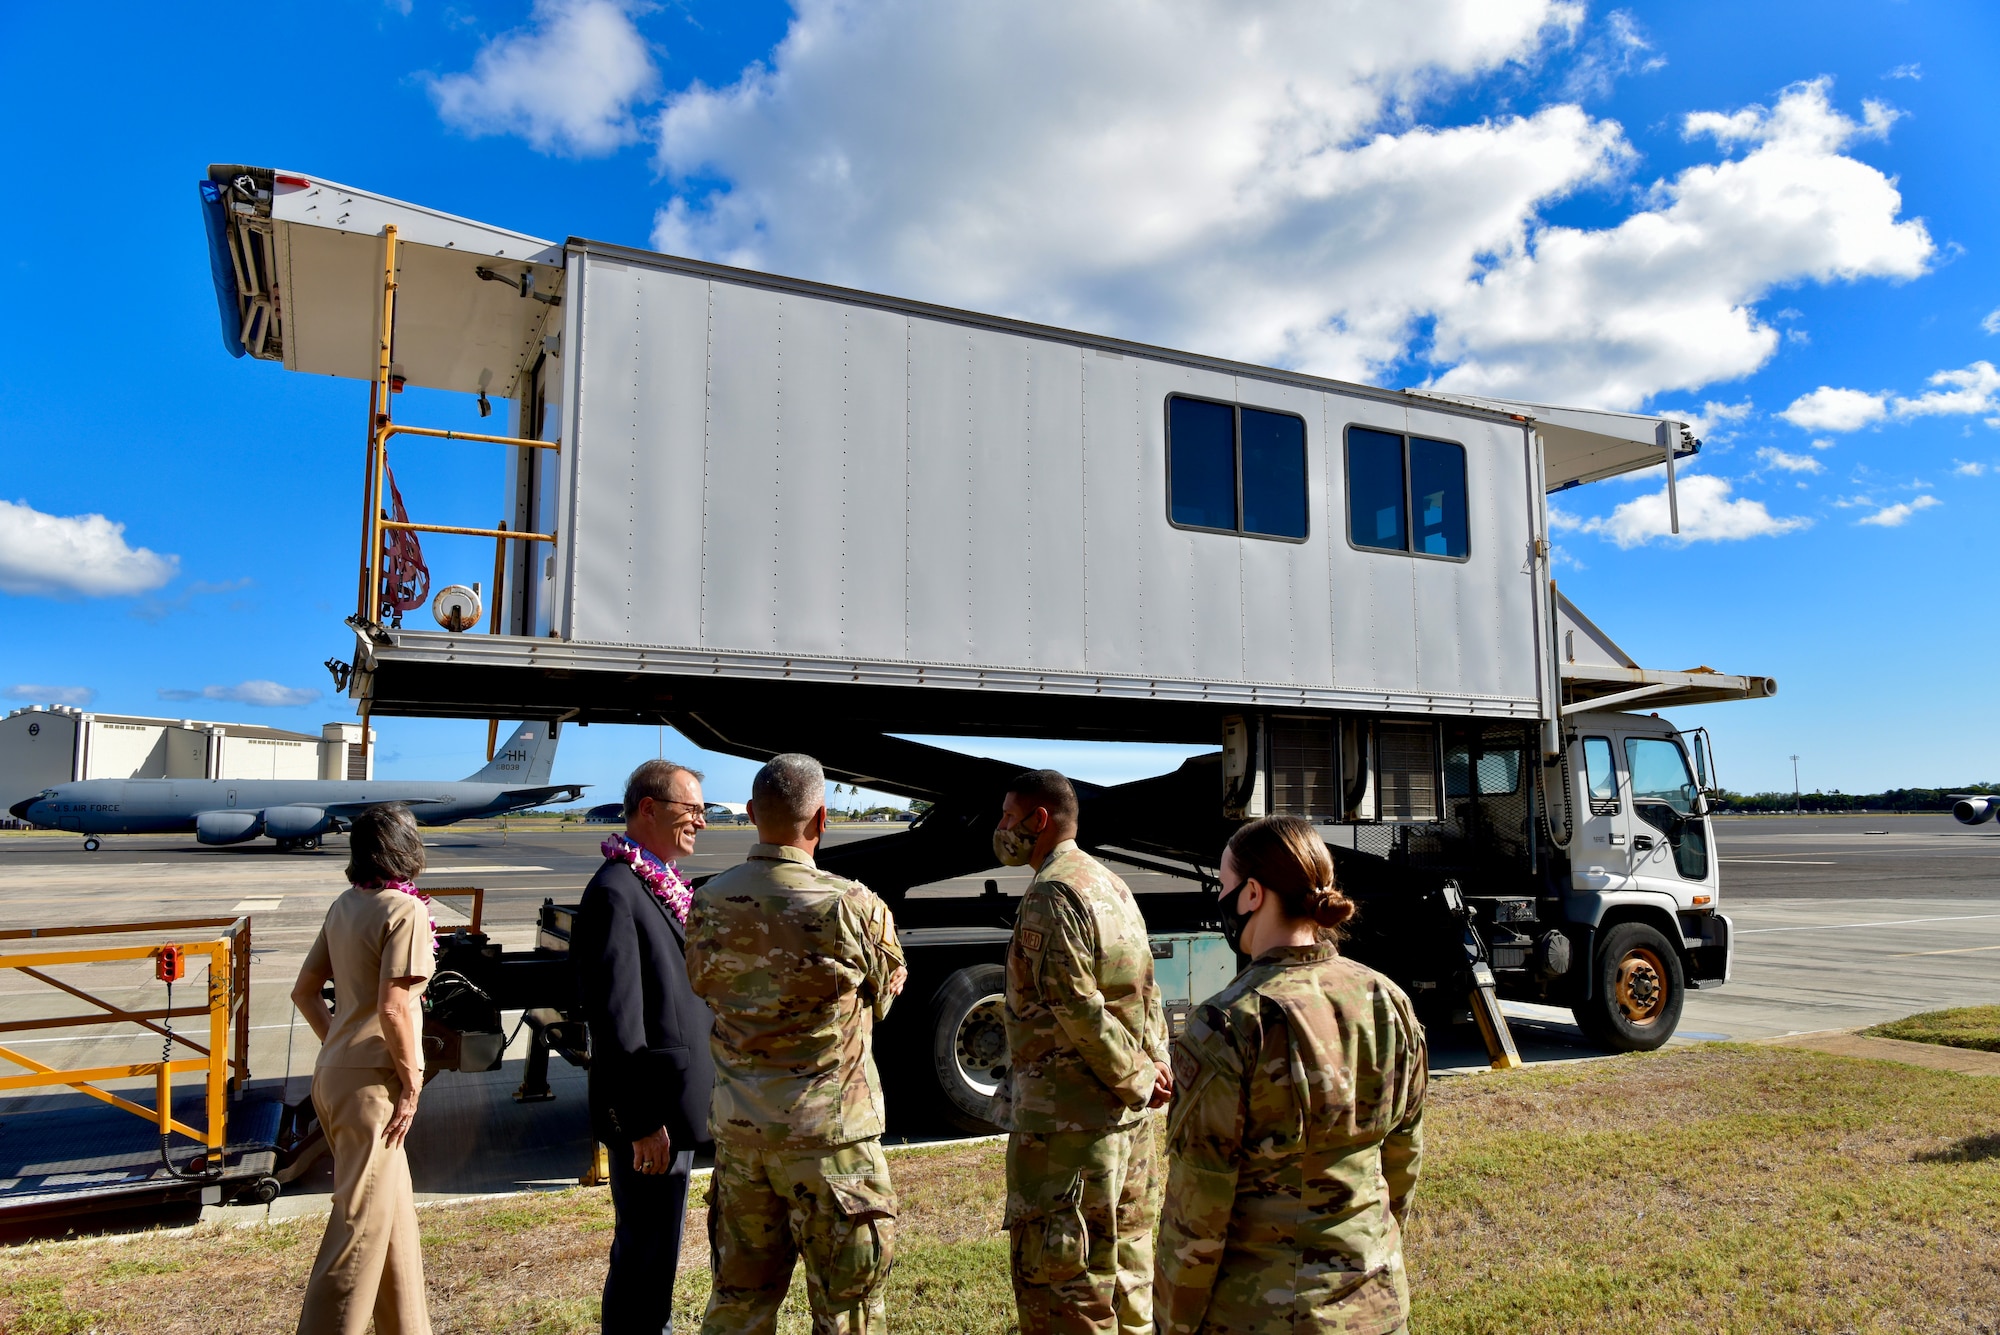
(1330, 908)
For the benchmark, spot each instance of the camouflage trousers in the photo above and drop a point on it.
(1080, 1215)
(833, 1208)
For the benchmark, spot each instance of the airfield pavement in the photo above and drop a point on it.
(1841, 922)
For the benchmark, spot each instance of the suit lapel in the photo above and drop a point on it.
(646, 893)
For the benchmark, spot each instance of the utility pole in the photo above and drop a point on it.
(1798, 802)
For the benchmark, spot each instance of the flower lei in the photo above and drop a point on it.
(410, 889)
(662, 878)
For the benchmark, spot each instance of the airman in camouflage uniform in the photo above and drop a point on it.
(798, 964)
(1293, 1148)
(1086, 1041)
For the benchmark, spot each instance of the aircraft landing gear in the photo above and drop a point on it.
(91, 845)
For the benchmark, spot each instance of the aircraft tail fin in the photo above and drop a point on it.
(523, 758)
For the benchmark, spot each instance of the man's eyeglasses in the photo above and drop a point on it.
(694, 808)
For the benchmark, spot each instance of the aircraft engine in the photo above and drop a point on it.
(1975, 810)
(228, 827)
(295, 822)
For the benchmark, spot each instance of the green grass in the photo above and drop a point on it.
(1976, 1027)
(1709, 1189)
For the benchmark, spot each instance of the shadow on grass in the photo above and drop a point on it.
(1973, 1149)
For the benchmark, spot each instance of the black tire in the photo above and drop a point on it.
(969, 1043)
(90, 845)
(1637, 987)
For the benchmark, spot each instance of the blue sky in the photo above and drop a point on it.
(1720, 209)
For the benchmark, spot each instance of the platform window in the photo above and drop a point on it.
(1406, 494)
(1375, 489)
(1201, 453)
(1274, 474)
(1236, 470)
(1437, 496)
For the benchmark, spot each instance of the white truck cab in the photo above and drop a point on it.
(1642, 875)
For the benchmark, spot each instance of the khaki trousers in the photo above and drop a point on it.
(370, 1263)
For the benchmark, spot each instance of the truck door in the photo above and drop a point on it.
(1601, 856)
(1669, 841)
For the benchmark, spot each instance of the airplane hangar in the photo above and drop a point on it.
(41, 746)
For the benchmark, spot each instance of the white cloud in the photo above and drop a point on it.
(1910, 71)
(567, 83)
(1791, 463)
(74, 554)
(264, 694)
(51, 695)
(1619, 47)
(1667, 298)
(1821, 443)
(1991, 324)
(1706, 421)
(1970, 469)
(1966, 392)
(1260, 210)
(1892, 516)
(1708, 514)
(1831, 409)
(1287, 206)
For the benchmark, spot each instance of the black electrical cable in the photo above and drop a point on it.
(207, 1175)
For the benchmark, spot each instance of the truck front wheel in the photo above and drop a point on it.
(1636, 991)
(969, 1043)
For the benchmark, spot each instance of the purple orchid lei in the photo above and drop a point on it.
(662, 878)
(409, 888)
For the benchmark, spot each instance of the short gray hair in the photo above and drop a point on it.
(791, 785)
(383, 845)
(654, 779)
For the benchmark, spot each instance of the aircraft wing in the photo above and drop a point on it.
(345, 809)
(520, 798)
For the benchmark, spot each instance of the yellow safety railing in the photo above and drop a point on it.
(381, 428)
(475, 893)
(227, 1002)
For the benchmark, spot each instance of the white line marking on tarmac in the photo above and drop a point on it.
(1843, 926)
(455, 870)
(257, 905)
(1962, 950)
(1782, 862)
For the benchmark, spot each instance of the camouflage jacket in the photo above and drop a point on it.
(795, 962)
(1084, 1024)
(1294, 1143)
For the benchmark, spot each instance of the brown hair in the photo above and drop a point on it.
(654, 779)
(1288, 858)
(384, 845)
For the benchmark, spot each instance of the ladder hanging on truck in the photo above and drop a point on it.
(783, 515)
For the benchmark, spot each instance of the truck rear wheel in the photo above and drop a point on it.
(1636, 991)
(969, 1043)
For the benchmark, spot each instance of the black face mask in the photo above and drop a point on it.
(1233, 921)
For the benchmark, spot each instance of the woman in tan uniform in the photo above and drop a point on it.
(1297, 1119)
(378, 950)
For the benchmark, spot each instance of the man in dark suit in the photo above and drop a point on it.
(650, 1069)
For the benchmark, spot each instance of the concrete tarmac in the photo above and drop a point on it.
(1841, 921)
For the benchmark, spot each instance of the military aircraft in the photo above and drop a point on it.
(296, 812)
(1974, 808)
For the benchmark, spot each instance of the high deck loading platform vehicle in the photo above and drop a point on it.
(781, 515)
